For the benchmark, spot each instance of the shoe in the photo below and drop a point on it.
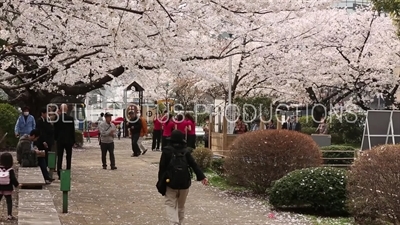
(47, 182)
(50, 179)
(10, 217)
(153, 150)
(158, 150)
(113, 168)
(104, 167)
(144, 152)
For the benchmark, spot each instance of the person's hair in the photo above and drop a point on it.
(165, 111)
(189, 117)
(43, 110)
(6, 160)
(179, 117)
(101, 114)
(206, 119)
(169, 118)
(240, 118)
(25, 108)
(35, 133)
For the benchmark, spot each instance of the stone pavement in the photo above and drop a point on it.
(128, 195)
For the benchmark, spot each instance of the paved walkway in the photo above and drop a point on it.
(128, 195)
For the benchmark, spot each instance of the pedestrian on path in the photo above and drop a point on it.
(157, 132)
(107, 134)
(168, 127)
(175, 176)
(143, 134)
(134, 126)
(7, 181)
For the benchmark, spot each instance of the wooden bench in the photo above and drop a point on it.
(36, 207)
(31, 178)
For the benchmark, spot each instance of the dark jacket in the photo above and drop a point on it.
(46, 132)
(166, 157)
(13, 181)
(64, 130)
(135, 125)
(289, 126)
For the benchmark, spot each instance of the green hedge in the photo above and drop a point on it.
(320, 189)
(307, 121)
(334, 154)
(348, 128)
(8, 118)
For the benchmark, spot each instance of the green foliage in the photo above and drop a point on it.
(331, 152)
(373, 186)
(79, 138)
(8, 118)
(203, 157)
(262, 107)
(348, 127)
(308, 130)
(307, 121)
(322, 189)
(260, 157)
(217, 165)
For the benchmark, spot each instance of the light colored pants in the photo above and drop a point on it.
(140, 144)
(175, 205)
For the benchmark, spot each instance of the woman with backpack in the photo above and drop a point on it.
(7, 181)
(174, 176)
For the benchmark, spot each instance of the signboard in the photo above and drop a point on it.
(150, 114)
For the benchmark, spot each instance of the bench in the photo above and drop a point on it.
(31, 178)
(36, 207)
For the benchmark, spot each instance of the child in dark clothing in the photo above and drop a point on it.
(6, 187)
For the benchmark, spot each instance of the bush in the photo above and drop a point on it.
(373, 186)
(334, 154)
(308, 130)
(307, 121)
(349, 128)
(217, 165)
(79, 138)
(203, 157)
(8, 118)
(322, 189)
(260, 157)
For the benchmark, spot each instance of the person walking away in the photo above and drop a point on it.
(64, 134)
(134, 126)
(25, 123)
(27, 154)
(169, 126)
(206, 129)
(107, 134)
(191, 129)
(119, 131)
(8, 181)
(157, 132)
(143, 134)
(46, 138)
(176, 162)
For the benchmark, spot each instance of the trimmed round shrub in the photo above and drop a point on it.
(260, 157)
(308, 130)
(307, 121)
(203, 157)
(8, 118)
(330, 152)
(217, 165)
(321, 189)
(373, 186)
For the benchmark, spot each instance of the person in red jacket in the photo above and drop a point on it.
(157, 133)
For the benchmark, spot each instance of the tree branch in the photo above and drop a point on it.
(116, 8)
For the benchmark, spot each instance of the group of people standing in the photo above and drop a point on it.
(38, 136)
(166, 123)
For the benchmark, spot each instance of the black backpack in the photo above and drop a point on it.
(179, 173)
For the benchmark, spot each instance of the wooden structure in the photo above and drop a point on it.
(220, 140)
(31, 177)
(36, 207)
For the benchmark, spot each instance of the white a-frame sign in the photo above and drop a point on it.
(381, 127)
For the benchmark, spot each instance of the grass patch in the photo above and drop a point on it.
(221, 182)
(331, 220)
